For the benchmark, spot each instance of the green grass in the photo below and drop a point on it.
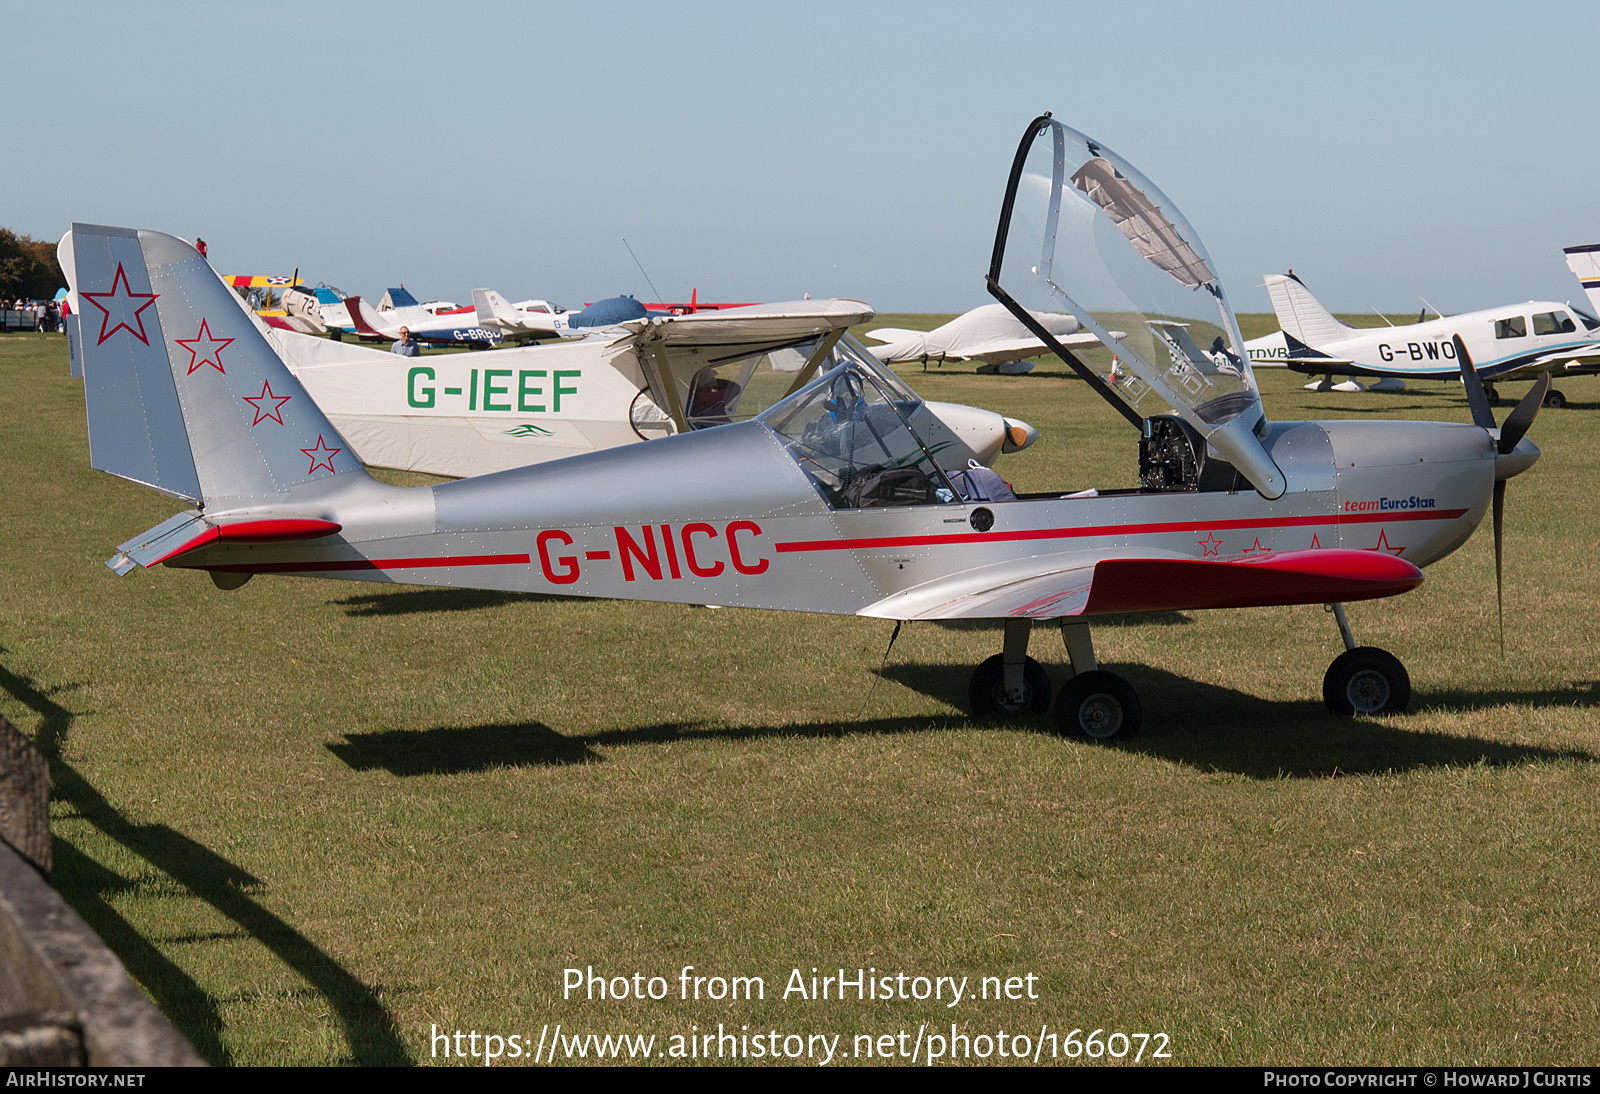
(316, 819)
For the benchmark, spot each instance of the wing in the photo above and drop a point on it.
(1080, 584)
(1574, 360)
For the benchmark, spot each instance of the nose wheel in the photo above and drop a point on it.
(1099, 706)
(1366, 680)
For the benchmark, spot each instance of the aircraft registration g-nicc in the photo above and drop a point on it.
(1516, 342)
(829, 501)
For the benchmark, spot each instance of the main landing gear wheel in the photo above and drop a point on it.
(987, 692)
(1366, 680)
(1494, 396)
(1554, 398)
(1098, 705)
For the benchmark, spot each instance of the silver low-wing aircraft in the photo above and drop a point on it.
(829, 501)
(1516, 342)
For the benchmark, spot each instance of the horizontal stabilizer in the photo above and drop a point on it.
(172, 536)
(191, 530)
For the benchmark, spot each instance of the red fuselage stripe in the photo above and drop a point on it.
(1111, 530)
(371, 564)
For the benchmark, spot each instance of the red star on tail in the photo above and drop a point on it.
(321, 456)
(121, 303)
(208, 353)
(273, 413)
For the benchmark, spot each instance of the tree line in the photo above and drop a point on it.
(28, 268)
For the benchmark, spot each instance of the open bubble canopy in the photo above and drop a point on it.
(1085, 233)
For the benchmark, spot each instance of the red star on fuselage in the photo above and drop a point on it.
(120, 303)
(321, 456)
(1254, 547)
(272, 413)
(1210, 544)
(212, 349)
(1383, 544)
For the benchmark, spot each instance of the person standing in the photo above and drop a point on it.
(406, 347)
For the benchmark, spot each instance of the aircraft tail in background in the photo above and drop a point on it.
(492, 308)
(1584, 262)
(1301, 315)
(366, 321)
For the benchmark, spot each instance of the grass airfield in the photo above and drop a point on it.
(318, 819)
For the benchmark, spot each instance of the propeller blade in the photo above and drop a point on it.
(1518, 421)
(1482, 416)
(1499, 581)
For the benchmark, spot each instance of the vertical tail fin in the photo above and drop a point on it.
(364, 319)
(492, 308)
(1584, 262)
(1301, 315)
(184, 392)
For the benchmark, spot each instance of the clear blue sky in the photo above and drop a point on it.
(764, 151)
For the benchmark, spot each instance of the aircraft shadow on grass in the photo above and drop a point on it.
(1201, 725)
(419, 601)
(1218, 728)
(369, 1029)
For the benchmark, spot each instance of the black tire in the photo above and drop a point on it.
(1098, 706)
(986, 693)
(1554, 399)
(1494, 396)
(1366, 680)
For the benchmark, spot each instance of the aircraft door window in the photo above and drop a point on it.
(713, 397)
(1589, 321)
(1515, 327)
(1553, 322)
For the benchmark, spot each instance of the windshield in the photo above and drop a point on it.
(850, 431)
(1091, 237)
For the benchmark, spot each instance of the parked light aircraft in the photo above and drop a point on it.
(830, 500)
(1516, 342)
(461, 415)
(989, 334)
(374, 325)
(513, 321)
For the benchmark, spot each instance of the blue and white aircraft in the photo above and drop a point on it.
(1515, 342)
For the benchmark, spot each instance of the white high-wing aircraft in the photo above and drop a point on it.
(989, 334)
(1515, 342)
(470, 414)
